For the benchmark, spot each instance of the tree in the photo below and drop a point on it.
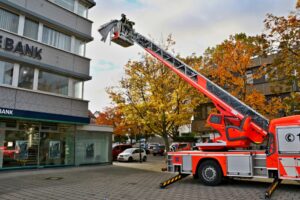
(112, 116)
(153, 98)
(228, 63)
(283, 34)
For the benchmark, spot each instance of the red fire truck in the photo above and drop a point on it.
(238, 126)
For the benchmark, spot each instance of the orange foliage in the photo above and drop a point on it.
(228, 64)
(112, 116)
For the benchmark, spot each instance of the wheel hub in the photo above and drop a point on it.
(209, 174)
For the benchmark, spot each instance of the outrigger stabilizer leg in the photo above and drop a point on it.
(174, 179)
(272, 188)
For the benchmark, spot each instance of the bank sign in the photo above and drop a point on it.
(11, 45)
(8, 112)
(39, 116)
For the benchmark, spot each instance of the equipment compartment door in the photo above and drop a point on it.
(186, 163)
(239, 165)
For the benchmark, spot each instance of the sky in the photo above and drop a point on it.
(194, 24)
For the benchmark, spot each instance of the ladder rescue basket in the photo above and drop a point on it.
(121, 40)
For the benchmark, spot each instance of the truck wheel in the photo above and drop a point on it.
(210, 173)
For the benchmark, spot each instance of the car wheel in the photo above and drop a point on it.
(210, 173)
(154, 154)
(144, 158)
(130, 159)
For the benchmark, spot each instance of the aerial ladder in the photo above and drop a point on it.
(237, 124)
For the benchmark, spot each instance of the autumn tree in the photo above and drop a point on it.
(283, 34)
(112, 116)
(152, 97)
(228, 63)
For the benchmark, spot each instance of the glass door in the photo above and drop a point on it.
(56, 145)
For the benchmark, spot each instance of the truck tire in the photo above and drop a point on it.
(210, 173)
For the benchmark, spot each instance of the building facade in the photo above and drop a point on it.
(263, 85)
(43, 116)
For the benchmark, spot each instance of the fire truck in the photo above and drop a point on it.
(237, 124)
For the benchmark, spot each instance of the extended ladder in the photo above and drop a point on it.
(226, 103)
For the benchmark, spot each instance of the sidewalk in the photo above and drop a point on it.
(126, 182)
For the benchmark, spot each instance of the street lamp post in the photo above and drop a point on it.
(140, 151)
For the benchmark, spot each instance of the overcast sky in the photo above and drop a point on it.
(194, 24)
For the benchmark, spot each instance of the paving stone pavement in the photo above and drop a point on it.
(114, 182)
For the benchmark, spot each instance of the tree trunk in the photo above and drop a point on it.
(166, 140)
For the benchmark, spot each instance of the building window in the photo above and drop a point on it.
(9, 21)
(249, 77)
(78, 86)
(67, 4)
(79, 47)
(26, 77)
(203, 111)
(82, 9)
(8, 123)
(31, 29)
(6, 73)
(56, 39)
(53, 83)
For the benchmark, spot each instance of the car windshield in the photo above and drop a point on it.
(128, 150)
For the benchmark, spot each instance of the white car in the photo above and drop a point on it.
(132, 154)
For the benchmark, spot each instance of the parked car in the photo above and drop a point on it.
(159, 150)
(137, 145)
(181, 146)
(132, 154)
(151, 146)
(147, 151)
(117, 149)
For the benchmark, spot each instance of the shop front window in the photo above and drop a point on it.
(57, 146)
(26, 144)
(19, 148)
(91, 147)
